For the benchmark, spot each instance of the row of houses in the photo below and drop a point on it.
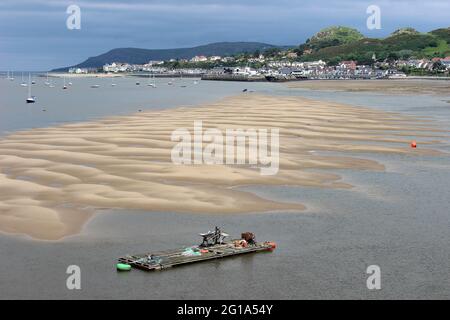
(444, 61)
(313, 69)
(423, 63)
(79, 70)
(116, 67)
(285, 59)
(202, 58)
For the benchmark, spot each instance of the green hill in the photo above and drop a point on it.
(404, 31)
(402, 44)
(333, 36)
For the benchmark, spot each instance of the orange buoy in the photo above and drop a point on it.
(413, 144)
(272, 245)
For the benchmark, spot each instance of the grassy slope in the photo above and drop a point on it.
(433, 44)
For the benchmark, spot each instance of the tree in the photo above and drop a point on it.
(272, 52)
(438, 66)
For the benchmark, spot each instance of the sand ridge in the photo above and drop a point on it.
(393, 86)
(53, 179)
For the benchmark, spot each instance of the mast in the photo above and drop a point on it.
(29, 86)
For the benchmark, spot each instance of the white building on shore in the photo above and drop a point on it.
(199, 59)
(78, 70)
(116, 67)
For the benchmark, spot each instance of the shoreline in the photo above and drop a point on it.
(88, 75)
(55, 178)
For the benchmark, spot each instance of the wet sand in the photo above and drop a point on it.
(53, 179)
(405, 86)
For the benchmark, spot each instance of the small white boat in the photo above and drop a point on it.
(151, 84)
(23, 84)
(46, 82)
(95, 86)
(148, 82)
(64, 85)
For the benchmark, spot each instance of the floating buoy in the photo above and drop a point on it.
(123, 267)
(272, 245)
(413, 144)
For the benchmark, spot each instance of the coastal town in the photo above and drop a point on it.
(285, 66)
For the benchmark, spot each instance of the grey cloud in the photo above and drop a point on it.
(173, 23)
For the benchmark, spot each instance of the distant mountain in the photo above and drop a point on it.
(332, 45)
(141, 56)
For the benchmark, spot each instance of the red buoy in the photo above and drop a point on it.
(272, 245)
(413, 144)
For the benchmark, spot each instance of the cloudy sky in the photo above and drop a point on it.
(34, 36)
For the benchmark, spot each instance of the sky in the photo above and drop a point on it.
(34, 35)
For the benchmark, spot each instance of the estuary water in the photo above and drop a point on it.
(398, 219)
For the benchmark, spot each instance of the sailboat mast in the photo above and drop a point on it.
(29, 85)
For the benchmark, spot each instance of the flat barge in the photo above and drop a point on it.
(213, 246)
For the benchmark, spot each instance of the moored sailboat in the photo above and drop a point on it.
(47, 83)
(30, 98)
(23, 84)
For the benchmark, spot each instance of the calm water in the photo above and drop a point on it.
(398, 219)
(81, 102)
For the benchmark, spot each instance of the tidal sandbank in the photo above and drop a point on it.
(53, 179)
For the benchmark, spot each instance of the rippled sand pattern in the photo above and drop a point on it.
(404, 86)
(52, 179)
